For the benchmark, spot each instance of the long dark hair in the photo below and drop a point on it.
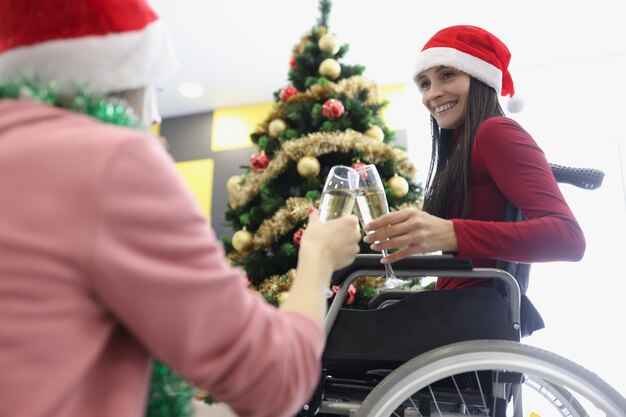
(447, 194)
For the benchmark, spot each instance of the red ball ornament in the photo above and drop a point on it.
(333, 109)
(288, 92)
(350, 296)
(259, 161)
(297, 237)
(292, 62)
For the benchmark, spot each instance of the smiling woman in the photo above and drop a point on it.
(557, 114)
(478, 159)
(445, 93)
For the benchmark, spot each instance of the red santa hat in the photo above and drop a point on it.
(472, 50)
(103, 45)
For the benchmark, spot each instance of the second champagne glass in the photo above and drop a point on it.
(338, 196)
(372, 203)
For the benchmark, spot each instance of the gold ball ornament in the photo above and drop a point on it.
(282, 297)
(308, 166)
(328, 43)
(375, 132)
(232, 185)
(399, 186)
(330, 69)
(242, 240)
(276, 127)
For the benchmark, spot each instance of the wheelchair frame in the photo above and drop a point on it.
(549, 374)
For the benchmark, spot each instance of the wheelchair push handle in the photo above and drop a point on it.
(586, 178)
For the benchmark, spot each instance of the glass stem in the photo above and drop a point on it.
(388, 271)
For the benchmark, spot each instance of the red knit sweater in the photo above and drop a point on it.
(508, 165)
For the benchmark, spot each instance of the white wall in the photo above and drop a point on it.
(575, 111)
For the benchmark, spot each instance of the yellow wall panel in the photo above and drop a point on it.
(396, 113)
(232, 126)
(198, 175)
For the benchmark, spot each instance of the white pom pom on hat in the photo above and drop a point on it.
(472, 50)
(515, 104)
(103, 45)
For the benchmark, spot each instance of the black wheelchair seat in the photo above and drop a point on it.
(384, 338)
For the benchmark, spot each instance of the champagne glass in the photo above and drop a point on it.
(372, 203)
(338, 196)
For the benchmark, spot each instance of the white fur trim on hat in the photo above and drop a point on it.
(114, 62)
(469, 64)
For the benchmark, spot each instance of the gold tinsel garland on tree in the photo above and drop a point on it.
(316, 144)
(352, 86)
(304, 39)
(274, 288)
(283, 221)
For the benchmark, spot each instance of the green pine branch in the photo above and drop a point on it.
(324, 9)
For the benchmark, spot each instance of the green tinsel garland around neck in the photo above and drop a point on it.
(105, 109)
(170, 395)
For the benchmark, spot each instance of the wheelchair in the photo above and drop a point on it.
(454, 352)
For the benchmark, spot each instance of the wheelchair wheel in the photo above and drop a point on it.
(492, 378)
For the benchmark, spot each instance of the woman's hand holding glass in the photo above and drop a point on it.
(336, 241)
(371, 204)
(411, 231)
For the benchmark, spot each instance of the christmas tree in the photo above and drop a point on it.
(328, 114)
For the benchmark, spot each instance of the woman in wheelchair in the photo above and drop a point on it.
(492, 207)
(481, 162)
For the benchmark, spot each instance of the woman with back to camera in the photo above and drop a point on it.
(107, 262)
(480, 160)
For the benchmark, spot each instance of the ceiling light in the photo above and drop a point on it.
(191, 90)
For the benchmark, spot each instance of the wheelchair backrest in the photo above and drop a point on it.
(585, 178)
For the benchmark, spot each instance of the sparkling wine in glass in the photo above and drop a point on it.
(338, 196)
(372, 203)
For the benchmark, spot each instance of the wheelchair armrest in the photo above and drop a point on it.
(411, 265)
(423, 265)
